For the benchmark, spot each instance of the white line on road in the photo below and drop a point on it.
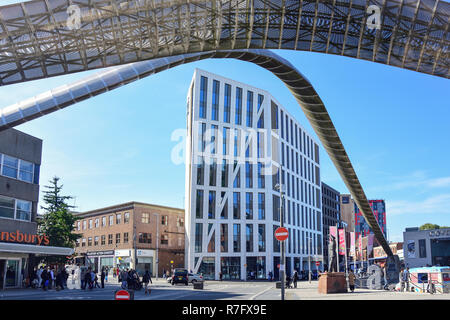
(260, 293)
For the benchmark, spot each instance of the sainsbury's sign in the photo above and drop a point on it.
(20, 237)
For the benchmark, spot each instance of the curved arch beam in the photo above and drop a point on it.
(301, 88)
(45, 38)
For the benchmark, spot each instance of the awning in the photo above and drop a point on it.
(39, 250)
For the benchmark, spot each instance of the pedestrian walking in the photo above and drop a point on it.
(220, 275)
(39, 276)
(106, 274)
(102, 277)
(124, 278)
(44, 277)
(96, 285)
(87, 279)
(146, 279)
(295, 278)
(59, 283)
(270, 276)
(351, 280)
(406, 279)
(288, 281)
(51, 278)
(164, 274)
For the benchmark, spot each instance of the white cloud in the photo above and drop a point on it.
(435, 204)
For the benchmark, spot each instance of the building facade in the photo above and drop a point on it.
(240, 142)
(132, 235)
(422, 248)
(379, 210)
(330, 214)
(347, 207)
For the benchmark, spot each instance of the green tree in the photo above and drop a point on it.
(429, 226)
(57, 221)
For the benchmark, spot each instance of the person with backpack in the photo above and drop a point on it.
(146, 279)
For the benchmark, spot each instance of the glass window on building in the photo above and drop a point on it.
(118, 218)
(117, 238)
(199, 205)
(422, 248)
(89, 242)
(215, 100)
(198, 237)
(126, 217)
(237, 179)
(200, 170)
(212, 242)
(236, 237)
(10, 166)
(249, 109)
(224, 237)
(224, 213)
(26, 171)
(236, 205)
(103, 240)
(212, 205)
(6, 207)
(230, 268)
(90, 224)
(261, 238)
(145, 218)
(180, 222)
(12, 273)
(203, 97)
(213, 173)
(249, 238)
(165, 239)
(96, 241)
(23, 210)
(213, 143)
(207, 268)
(96, 223)
(111, 220)
(83, 242)
(238, 113)
(125, 237)
(237, 143)
(225, 136)
(224, 173)
(249, 205)
(276, 243)
(110, 239)
(261, 206)
(103, 221)
(248, 175)
(227, 103)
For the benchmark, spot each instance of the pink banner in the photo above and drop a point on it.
(342, 247)
(333, 231)
(360, 245)
(352, 244)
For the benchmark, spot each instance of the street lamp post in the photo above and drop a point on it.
(157, 243)
(283, 246)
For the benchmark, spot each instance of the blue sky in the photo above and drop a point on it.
(117, 147)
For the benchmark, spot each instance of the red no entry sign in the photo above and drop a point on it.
(281, 233)
(317, 263)
(122, 295)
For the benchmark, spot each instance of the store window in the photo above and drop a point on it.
(12, 273)
(207, 268)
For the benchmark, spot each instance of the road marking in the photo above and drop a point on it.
(260, 293)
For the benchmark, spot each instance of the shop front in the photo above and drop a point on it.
(123, 259)
(16, 261)
(145, 261)
(98, 260)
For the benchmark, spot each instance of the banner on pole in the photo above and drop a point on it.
(342, 247)
(360, 245)
(352, 244)
(333, 231)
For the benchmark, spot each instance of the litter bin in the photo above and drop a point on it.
(198, 285)
(278, 285)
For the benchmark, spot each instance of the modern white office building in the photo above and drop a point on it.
(238, 138)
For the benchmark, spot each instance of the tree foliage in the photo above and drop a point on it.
(57, 221)
(431, 226)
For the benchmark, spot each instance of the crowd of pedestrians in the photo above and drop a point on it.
(49, 278)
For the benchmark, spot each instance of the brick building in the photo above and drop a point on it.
(132, 235)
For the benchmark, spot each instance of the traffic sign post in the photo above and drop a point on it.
(317, 263)
(123, 295)
(281, 234)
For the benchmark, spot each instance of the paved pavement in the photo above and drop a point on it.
(215, 290)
